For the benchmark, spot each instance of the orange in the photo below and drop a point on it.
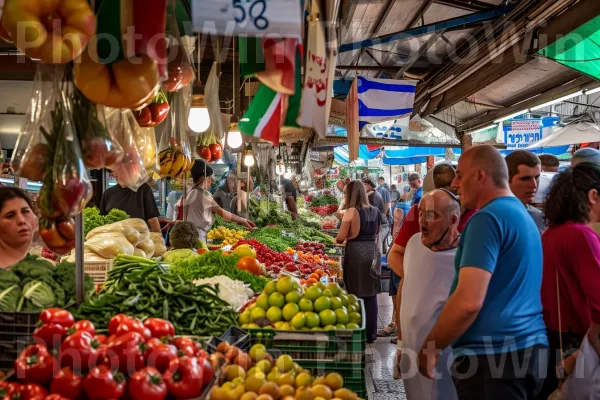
(315, 277)
(249, 264)
(202, 251)
(311, 281)
(319, 272)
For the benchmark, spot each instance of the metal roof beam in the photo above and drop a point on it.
(453, 23)
(468, 5)
(419, 53)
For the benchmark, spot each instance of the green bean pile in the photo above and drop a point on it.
(142, 288)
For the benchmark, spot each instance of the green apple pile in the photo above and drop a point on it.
(288, 306)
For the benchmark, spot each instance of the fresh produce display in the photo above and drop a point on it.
(274, 238)
(215, 263)
(263, 214)
(225, 235)
(264, 254)
(287, 306)
(329, 222)
(138, 361)
(234, 292)
(229, 225)
(314, 235)
(325, 210)
(258, 376)
(323, 200)
(34, 284)
(92, 218)
(142, 288)
(177, 255)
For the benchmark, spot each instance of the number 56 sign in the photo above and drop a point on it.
(247, 17)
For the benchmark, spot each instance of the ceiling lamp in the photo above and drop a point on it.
(234, 138)
(249, 158)
(288, 173)
(198, 118)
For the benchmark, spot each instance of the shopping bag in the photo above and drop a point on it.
(584, 381)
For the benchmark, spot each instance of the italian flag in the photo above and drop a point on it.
(270, 110)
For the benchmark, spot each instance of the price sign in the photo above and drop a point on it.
(314, 156)
(255, 17)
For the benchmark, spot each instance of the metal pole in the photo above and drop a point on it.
(79, 283)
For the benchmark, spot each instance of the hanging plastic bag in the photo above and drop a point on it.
(145, 140)
(154, 113)
(32, 152)
(130, 172)
(180, 69)
(175, 157)
(99, 150)
(58, 235)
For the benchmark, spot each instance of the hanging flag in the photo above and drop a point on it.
(270, 110)
(270, 60)
(382, 100)
(313, 111)
(352, 121)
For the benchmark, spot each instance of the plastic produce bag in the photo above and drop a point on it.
(130, 233)
(180, 70)
(209, 147)
(87, 257)
(109, 245)
(147, 246)
(139, 253)
(145, 140)
(138, 224)
(130, 172)
(175, 157)
(32, 151)
(99, 150)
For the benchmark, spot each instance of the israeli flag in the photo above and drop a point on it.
(382, 100)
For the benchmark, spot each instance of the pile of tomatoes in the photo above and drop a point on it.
(139, 360)
(265, 255)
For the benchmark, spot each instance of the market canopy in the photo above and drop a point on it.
(582, 132)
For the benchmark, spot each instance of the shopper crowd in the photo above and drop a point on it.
(502, 290)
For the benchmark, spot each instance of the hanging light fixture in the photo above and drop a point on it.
(234, 138)
(249, 158)
(288, 173)
(198, 118)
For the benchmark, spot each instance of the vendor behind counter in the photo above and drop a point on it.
(140, 204)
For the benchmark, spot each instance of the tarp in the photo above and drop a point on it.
(579, 49)
(582, 132)
(340, 153)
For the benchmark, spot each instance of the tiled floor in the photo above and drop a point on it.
(380, 358)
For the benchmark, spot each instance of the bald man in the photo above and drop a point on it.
(493, 317)
(428, 276)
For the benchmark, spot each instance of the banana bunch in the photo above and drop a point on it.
(174, 162)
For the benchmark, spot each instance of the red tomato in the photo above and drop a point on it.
(184, 378)
(133, 325)
(50, 335)
(102, 384)
(215, 151)
(115, 322)
(147, 384)
(57, 316)
(159, 327)
(79, 351)
(83, 325)
(67, 384)
(185, 346)
(35, 365)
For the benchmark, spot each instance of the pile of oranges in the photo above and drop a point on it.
(313, 278)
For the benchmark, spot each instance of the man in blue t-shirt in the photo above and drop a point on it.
(493, 317)
(416, 183)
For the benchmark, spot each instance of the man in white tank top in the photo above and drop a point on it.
(428, 277)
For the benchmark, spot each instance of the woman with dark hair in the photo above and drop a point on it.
(362, 261)
(18, 224)
(571, 277)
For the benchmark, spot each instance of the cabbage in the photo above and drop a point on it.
(9, 298)
(36, 296)
(172, 256)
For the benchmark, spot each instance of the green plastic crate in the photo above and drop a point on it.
(353, 373)
(335, 345)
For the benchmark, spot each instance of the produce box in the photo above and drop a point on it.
(234, 336)
(97, 270)
(16, 332)
(334, 345)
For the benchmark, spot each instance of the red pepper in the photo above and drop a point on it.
(154, 113)
(160, 327)
(159, 356)
(101, 384)
(67, 384)
(7, 389)
(57, 316)
(147, 384)
(83, 325)
(129, 349)
(184, 378)
(30, 391)
(56, 397)
(133, 325)
(102, 339)
(185, 346)
(50, 335)
(79, 351)
(144, 117)
(36, 365)
(115, 322)
(206, 368)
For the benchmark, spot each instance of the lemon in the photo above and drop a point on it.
(290, 310)
(274, 314)
(257, 313)
(284, 363)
